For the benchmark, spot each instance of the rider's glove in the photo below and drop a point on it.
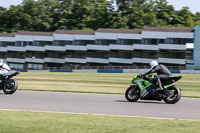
(140, 75)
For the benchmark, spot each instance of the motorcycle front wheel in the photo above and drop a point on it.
(132, 93)
(174, 97)
(10, 86)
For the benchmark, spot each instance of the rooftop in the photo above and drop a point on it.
(79, 32)
(164, 29)
(103, 30)
(127, 31)
(7, 35)
(34, 33)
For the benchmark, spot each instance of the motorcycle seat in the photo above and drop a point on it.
(175, 78)
(171, 79)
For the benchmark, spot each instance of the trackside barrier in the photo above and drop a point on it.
(113, 71)
(110, 71)
(24, 70)
(190, 71)
(61, 70)
(135, 70)
(85, 71)
(175, 71)
(37, 71)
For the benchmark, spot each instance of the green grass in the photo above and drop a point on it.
(96, 82)
(35, 122)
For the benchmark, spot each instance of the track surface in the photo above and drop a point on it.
(186, 108)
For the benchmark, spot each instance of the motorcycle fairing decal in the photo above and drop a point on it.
(167, 86)
(139, 83)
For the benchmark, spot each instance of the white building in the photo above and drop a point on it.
(103, 47)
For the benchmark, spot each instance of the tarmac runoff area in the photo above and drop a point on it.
(99, 104)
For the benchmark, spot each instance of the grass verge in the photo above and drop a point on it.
(108, 83)
(37, 122)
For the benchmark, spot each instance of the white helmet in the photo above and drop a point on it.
(1, 62)
(153, 63)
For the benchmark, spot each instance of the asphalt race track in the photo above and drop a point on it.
(186, 108)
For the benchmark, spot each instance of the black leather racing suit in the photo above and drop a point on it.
(163, 73)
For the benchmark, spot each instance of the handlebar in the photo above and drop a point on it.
(144, 76)
(140, 76)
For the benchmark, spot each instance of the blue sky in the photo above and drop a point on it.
(194, 5)
(7, 3)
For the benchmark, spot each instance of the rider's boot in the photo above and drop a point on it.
(157, 90)
(166, 92)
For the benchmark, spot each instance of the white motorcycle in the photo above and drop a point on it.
(8, 85)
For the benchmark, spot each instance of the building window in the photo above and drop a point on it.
(35, 66)
(179, 41)
(150, 41)
(172, 54)
(55, 55)
(31, 54)
(137, 41)
(42, 43)
(188, 41)
(23, 43)
(2, 55)
(161, 41)
(19, 44)
(129, 41)
(16, 66)
(4, 44)
(124, 55)
(105, 42)
(15, 55)
(62, 43)
(83, 42)
(145, 54)
(27, 43)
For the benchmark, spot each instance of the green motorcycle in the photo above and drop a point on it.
(143, 89)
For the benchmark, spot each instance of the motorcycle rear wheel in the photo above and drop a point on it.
(10, 86)
(132, 93)
(174, 97)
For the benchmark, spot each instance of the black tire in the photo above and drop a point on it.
(132, 93)
(175, 97)
(10, 86)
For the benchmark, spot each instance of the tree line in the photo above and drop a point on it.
(51, 15)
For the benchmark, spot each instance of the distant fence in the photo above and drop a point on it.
(113, 71)
(110, 69)
(104, 67)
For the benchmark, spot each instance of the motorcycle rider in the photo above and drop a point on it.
(4, 68)
(163, 73)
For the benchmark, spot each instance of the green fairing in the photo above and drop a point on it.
(167, 86)
(143, 84)
(134, 79)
